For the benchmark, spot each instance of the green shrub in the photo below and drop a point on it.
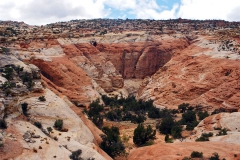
(167, 139)
(8, 73)
(188, 117)
(138, 119)
(41, 98)
(214, 156)
(27, 79)
(166, 125)
(18, 69)
(204, 137)
(25, 108)
(210, 134)
(97, 120)
(5, 85)
(55, 138)
(176, 131)
(143, 135)
(216, 111)
(38, 124)
(222, 132)
(183, 107)
(94, 113)
(76, 155)
(58, 124)
(7, 92)
(49, 130)
(111, 143)
(202, 115)
(201, 139)
(196, 154)
(114, 115)
(3, 124)
(6, 50)
(192, 125)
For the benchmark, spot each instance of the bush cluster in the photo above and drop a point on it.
(204, 137)
(129, 109)
(94, 113)
(143, 135)
(76, 155)
(222, 132)
(42, 98)
(196, 154)
(58, 124)
(202, 115)
(38, 124)
(111, 143)
(170, 127)
(3, 124)
(25, 108)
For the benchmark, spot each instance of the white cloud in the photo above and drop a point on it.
(142, 9)
(208, 9)
(49, 11)
(234, 15)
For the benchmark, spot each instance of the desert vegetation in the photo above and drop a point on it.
(112, 143)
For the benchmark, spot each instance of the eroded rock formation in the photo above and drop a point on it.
(170, 62)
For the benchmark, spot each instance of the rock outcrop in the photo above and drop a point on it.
(174, 151)
(28, 127)
(194, 77)
(171, 62)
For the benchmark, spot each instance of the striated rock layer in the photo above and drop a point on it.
(22, 134)
(175, 151)
(227, 146)
(198, 75)
(83, 71)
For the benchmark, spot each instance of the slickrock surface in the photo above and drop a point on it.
(192, 76)
(171, 62)
(226, 145)
(22, 139)
(174, 151)
(230, 121)
(82, 71)
(182, 55)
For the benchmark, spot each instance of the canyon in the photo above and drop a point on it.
(74, 63)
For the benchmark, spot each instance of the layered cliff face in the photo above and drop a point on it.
(170, 63)
(23, 138)
(202, 74)
(82, 71)
(184, 68)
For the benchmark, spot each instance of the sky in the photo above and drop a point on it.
(40, 12)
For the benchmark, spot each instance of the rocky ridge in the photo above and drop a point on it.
(170, 62)
(21, 130)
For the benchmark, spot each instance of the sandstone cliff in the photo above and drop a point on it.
(201, 74)
(22, 138)
(170, 62)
